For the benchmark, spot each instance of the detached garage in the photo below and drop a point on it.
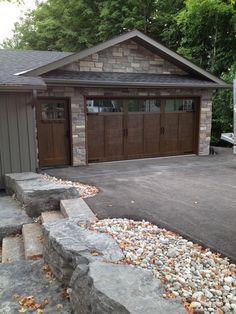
(129, 97)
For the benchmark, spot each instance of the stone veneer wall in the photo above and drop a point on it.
(126, 57)
(78, 115)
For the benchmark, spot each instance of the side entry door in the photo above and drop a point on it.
(53, 130)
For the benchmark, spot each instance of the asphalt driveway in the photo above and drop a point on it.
(194, 196)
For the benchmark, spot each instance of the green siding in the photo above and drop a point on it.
(17, 134)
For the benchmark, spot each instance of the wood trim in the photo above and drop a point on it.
(86, 128)
(197, 125)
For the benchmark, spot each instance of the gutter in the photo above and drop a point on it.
(21, 88)
(92, 83)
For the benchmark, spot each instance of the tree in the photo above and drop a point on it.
(222, 114)
(76, 24)
(208, 33)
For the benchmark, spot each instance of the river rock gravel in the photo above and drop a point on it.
(85, 190)
(205, 281)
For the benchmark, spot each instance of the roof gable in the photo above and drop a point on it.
(140, 38)
(126, 57)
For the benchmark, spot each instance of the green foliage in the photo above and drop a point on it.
(208, 29)
(201, 30)
(222, 114)
(76, 24)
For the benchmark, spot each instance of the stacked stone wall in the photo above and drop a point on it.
(126, 57)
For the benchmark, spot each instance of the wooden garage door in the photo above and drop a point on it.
(136, 128)
(53, 132)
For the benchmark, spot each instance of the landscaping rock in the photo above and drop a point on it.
(106, 288)
(33, 240)
(12, 178)
(12, 217)
(51, 216)
(27, 278)
(13, 249)
(67, 244)
(38, 195)
(77, 208)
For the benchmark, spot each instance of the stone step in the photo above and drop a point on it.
(12, 217)
(33, 241)
(13, 249)
(76, 208)
(51, 216)
(36, 193)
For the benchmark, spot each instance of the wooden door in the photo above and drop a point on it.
(142, 124)
(114, 136)
(53, 132)
(134, 136)
(137, 128)
(169, 134)
(178, 126)
(105, 129)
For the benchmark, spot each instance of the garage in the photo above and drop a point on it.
(141, 127)
(126, 98)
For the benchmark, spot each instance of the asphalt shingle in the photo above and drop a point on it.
(16, 61)
(124, 78)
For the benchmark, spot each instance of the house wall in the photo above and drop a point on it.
(17, 134)
(78, 112)
(126, 57)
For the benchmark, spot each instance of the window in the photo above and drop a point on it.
(105, 105)
(179, 105)
(144, 105)
(53, 111)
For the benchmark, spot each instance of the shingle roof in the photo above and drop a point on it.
(142, 39)
(124, 79)
(15, 61)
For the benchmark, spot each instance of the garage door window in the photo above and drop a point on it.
(172, 105)
(104, 105)
(144, 105)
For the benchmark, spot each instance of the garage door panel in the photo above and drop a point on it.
(114, 147)
(96, 140)
(169, 137)
(134, 138)
(152, 127)
(142, 129)
(186, 132)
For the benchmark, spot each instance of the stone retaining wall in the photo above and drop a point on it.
(87, 262)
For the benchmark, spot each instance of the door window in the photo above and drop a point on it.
(53, 111)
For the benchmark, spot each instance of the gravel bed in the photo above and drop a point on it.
(84, 189)
(205, 281)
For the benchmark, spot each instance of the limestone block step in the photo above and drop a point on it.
(76, 208)
(12, 217)
(51, 216)
(37, 194)
(33, 240)
(13, 249)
